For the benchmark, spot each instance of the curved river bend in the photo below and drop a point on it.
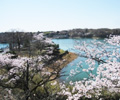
(68, 44)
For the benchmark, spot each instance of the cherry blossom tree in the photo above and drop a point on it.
(106, 83)
(23, 77)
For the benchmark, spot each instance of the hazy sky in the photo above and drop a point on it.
(47, 15)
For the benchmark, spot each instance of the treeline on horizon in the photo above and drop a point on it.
(15, 37)
(76, 33)
(5, 37)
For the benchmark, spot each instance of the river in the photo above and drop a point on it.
(68, 44)
(4, 45)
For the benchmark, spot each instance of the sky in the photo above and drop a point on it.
(56, 15)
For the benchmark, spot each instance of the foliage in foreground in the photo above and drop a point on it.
(104, 85)
(29, 78)
(24, 78)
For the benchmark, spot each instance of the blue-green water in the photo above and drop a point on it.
(68, 44)
(3, 45)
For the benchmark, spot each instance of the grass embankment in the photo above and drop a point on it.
(61, 63)
(66, 59)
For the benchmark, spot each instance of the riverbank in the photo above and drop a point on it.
(61, 63)
(68, 58)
